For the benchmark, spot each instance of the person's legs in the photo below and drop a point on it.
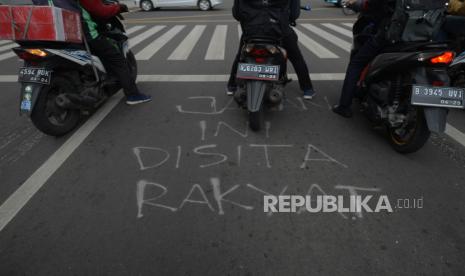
(114, 62)
(290, 43)
(356, 65)
(232, 84)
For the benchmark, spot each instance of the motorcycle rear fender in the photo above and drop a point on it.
(36, 90)
(428, 75)
(255, 94)
(436, 117)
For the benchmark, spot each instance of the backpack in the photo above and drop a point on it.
(71, 5)
(416, 20)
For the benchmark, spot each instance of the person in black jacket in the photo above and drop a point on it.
(272, 18)
(375, 12)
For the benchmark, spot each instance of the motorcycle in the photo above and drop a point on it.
(408, 90)
(61, 82)
(262, 76)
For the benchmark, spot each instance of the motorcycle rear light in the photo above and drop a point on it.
(30, 54)
(272, 49)
(445, 58)
(260, 53)
(37, 52)
(260, 60)
(438, 83)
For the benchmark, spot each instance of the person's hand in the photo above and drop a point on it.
(123, 8)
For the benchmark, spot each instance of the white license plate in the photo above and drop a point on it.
(258, 72)
(450, 97)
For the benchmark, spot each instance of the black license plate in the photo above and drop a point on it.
(258, 72)
(450, 97)
(35, 75)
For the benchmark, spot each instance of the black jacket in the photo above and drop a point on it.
(266, 17)
(376, 12)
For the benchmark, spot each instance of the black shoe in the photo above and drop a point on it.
(343, 111)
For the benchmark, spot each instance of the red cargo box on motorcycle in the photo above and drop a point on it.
(39, 23)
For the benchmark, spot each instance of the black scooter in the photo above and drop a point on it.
(261, 76)
(60, 81)
(408, 90)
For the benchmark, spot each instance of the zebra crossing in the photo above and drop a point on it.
(147, 41)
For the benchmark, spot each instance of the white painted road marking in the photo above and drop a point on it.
(350, 25)
(11, 207)
(314, 47)
(223, 78)
(8, 47)
(456, 134)
(217, 45)
(134, 29)
(7, 55)
(143, 36)
(338, 29)
(187, 45)
(151, 49)
(346, 46)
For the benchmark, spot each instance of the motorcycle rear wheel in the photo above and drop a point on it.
(256, 119)
(48, 117)
(413, 136)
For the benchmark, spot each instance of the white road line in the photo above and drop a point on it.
(338, 29)
(13, 205)
(7, 55)
(143, 36)
(8, 78)
(217, 45)
(5, 42)
(200, 78)
(350, 25)
(223, 78)
(8, 47)
(314, 47)
(329, 37)
(455, 134)
(239, 31)
(184, 49)
(134, 29)
(149, 51)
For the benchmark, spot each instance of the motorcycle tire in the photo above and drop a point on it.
(48, 117)
(416, 140)
(255, 120)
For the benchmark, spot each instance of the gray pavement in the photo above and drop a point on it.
(141, 195)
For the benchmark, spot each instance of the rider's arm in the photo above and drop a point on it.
(294, 10)
(99, 10)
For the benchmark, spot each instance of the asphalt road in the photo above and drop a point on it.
(138, 190)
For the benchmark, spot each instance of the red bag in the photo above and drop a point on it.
(39, 23)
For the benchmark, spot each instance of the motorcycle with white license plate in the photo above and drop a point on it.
(61, 82)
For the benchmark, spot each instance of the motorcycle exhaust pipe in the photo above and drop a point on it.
(276, 96)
